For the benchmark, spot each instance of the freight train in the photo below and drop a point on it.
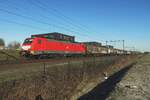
(58, 44)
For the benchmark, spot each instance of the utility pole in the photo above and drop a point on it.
(106, 43)
(123, 44)
(107, 46)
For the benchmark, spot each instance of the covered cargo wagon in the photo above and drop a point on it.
(56, 36)
(95, 48)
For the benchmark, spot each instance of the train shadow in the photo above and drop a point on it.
(102, 91)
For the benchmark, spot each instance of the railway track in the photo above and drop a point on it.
(23, 61)
(15, 60)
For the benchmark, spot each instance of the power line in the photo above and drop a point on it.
(33, 19)
(70, 20)
(57, 14)
(50, 14)
(26, 25)
(39, 21)
(42, 6)
(123, 43)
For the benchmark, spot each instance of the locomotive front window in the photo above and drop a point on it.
(28, 41)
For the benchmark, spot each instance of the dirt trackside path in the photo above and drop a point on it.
(136, 83)
(99, 88)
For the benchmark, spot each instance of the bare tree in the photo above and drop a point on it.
(14, 45)
(2, 42)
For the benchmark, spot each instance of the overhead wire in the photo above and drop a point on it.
(61, 16)
(58, 14)
(39, 21)
(48, 17)
(61, 27)
(22, 24)
(32, 19)
(45, 10)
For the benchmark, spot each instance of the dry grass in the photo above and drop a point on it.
(14, 53)
(55, 83)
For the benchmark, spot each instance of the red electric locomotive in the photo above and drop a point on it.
(51, 44)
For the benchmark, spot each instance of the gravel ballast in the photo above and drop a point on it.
(135, 85)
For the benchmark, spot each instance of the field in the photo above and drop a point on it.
(55, 81)
(9, 55)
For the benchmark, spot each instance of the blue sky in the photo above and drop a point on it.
(88, 20)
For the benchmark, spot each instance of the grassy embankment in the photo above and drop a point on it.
(55, 82)
(9, 54)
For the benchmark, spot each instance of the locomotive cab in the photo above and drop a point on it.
(26, 46)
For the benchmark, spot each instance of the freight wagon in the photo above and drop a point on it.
(95, 48)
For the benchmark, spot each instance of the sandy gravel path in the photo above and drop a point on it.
(136, 83)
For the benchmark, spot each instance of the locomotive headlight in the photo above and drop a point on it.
(26, 47)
